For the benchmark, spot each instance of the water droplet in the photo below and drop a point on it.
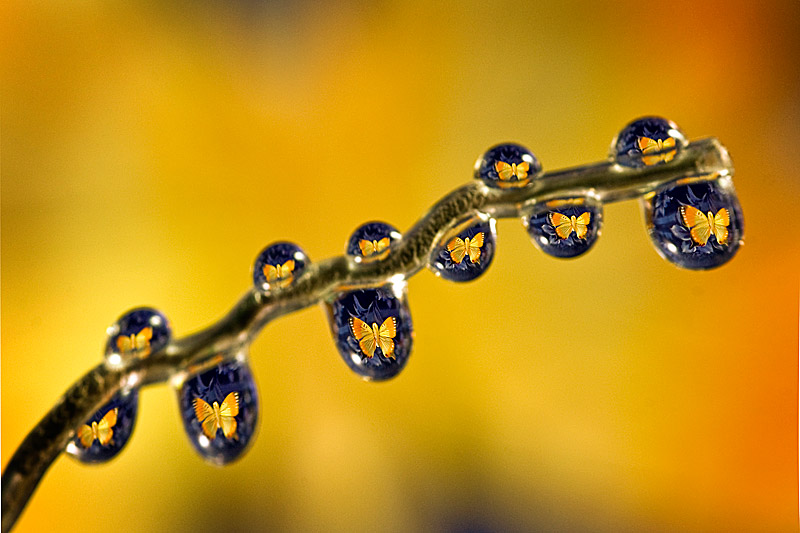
(372, 329)
(566, 227)
(101, 438)
(372, 241)
(696, 222)
(219, 408)
(135, 335)
(466, 250)
(278, 265)
(647, 141)
(507, 166)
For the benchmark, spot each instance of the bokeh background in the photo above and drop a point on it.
(150, 151)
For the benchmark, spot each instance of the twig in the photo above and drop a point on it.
(605, 181)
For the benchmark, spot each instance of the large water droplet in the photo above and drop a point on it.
(467, 250)
(695, 223)
(103, 436)
(219, 408)
(372, 329)
(565, 228)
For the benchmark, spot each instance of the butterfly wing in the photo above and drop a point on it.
(504, 170)
(581, 224)
(227, 411)
(669, 143)
(143, 341)
(270, 272)
(457, 249)
(721, 222)
(366, 247)
(561, 223)
(474, 248)
(104, 431)
(363, 334)
(386, 333)
(85, 435)
(697, 222)
(124, 344)
(522, 170)
(287, 268)
(647, 146)
(205, 415)
(382, 244)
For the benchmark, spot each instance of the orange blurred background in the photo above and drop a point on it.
(150, 151)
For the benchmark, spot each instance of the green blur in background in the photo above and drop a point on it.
(150, 151)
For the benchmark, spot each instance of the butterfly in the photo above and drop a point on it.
(99, 430)
(216, 416)
(282, 272)
(459, 248)
(648, 145)
(565, 225)
(507, 171)
(369, 337)
(136, 342)
(373, 247)
(701, 226)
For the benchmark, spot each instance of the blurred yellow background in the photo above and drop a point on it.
(150, 151)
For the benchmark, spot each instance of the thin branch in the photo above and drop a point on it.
(605, 181)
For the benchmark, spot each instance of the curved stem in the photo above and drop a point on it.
(605, 181)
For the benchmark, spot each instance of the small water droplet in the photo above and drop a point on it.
(278, 265)
(506, 166)
(647, 141)
(467, 250)
(372, 242)
(565, 228)
(135, 335)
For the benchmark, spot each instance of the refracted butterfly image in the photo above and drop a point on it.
(373, 247)
(216, 416)
(369, 337)
(657, 146)
(565, 225)
(703, 225)
(459, 248)
(102, 430)
(508, 171)
(136, 342)
(281, 273)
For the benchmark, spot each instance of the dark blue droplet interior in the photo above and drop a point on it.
(278, 254)
(215, 385)
(672, 236)
(372, 306)
(445, 266)
(543, 232)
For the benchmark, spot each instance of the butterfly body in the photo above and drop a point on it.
(656, 146)
(565, 225)
(703, 225)
(282, 273)
(507, 171)
(101, 431)
(218, 416)
(372, 247)
(136, 342)
(371, 336)
(460, 248)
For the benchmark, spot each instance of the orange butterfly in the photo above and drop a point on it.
(472, 247)
(369, 337)
(216, 416)
(506, 172)
(282, 272)
(648, 146)
(701, 226)
(136, 342)
(565, 225)
(373, 247)
(99, 430)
